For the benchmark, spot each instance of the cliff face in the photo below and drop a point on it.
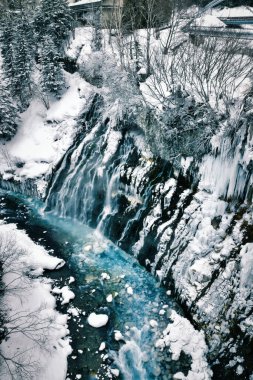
(191, 227)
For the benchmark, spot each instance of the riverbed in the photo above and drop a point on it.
(105, 281)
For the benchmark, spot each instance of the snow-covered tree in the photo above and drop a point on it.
(53, 25)
(52, 80)
(17, 48)
(8, 115)
(53, 19)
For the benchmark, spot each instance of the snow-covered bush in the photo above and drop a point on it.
(183, 128)
(120, 92)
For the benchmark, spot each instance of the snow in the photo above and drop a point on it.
(191, 342)
(186, 163)
(115, 372)
(102, 346)
(209, 21)
(105, 276)
(153, 323)
(74, 311)
(142, 71)
(36, 258)
(44, 135)
(97, 320)
(71, 279)
(113, 141)
(67, 295)
(130, 290)
(109, 298)
(241, 11)
(246, 255)
(118, 336)
(200, 271)
(45, 343)
(84, 2)
(179, 376)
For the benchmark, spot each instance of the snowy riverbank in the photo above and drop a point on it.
(36, 341)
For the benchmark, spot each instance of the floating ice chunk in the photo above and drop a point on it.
(153, 323)
(179, 376)
(162, 312)
(102, 346)
(109, 298)
(105, 276)
(67, 295)
(87, 248)
(78, 376)
(71, 280)
(239, 370)
(115, 372)
(118, 336)
(56, 291)
(97, 320)
(74, 311)
(130, 290)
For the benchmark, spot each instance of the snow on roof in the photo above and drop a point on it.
(209, 21)
(233, 12)
(84, 2)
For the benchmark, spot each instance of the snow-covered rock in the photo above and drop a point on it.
(97, 320)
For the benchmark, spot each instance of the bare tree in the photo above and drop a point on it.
(213, 70)
(32, 326)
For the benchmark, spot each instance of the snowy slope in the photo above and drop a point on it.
(44, 135)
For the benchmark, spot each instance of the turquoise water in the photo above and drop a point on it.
(136, 297)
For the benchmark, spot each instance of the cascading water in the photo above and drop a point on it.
(87, 186)
(108, 184)
(138, 309)
(188, 234)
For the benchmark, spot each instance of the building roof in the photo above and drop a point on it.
(84, 2)
(243, 20)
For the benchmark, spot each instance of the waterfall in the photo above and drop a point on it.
(186, 228)
(86, 187)
(135, 359)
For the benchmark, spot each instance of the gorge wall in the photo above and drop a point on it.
(192, 228)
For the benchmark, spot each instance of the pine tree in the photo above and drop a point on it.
(23, 62)
(54, 20)
(7, 48)
(52, 80)
(8, 115)
(53, 25)
(17, 48)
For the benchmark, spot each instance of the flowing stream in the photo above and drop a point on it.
(107, 281)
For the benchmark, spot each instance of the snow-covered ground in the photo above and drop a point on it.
(191, 342)
(44, 134)
(37, 345)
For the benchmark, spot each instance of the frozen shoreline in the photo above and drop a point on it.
(37, 334)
